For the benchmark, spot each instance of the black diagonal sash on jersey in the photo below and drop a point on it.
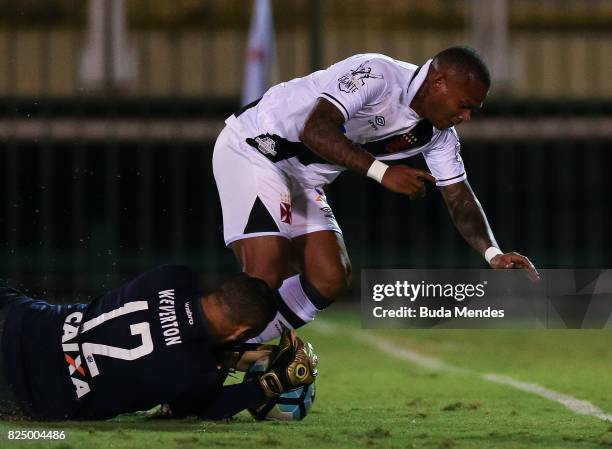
(277, 148)
(416, 137)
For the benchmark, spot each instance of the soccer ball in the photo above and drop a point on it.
(293, 405)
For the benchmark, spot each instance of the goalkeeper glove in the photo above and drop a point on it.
(293, 364)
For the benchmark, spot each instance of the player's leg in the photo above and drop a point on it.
(262, 212)
(267, 258)
(264, 257)
(324, 274)
(256, 205)
(322, 263)
(318, 246)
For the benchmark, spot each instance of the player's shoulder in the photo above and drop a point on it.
(449, 133)
(380, 71)
(381, 61)
(444, 138)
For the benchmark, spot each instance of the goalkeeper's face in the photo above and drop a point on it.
(240, 333)
(231, 332)
(222, 324)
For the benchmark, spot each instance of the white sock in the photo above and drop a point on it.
(298, 303)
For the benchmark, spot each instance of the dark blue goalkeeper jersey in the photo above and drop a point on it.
(130, 349)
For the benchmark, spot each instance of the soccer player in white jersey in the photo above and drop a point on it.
(275, 155)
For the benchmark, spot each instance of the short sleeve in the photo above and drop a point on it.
(351, 87)
(444, 159)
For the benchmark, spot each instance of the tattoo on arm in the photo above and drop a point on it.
(322, 135)
(468, 216)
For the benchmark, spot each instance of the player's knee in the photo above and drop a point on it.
(333, 281)
(273, 278)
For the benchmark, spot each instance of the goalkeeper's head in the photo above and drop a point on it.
(239, 309)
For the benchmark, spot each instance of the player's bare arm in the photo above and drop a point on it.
(322, 135)
(471, 222)
(468, 216)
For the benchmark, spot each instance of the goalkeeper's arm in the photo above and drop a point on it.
(232, 399)
(292, 365)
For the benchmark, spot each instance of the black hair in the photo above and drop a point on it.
(248, 300)
(466, 60)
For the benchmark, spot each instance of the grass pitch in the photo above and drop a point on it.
(368, 398)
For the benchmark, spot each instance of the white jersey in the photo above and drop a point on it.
(374, 93)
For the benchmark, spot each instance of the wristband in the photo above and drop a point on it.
(377, 170)
(490, 253)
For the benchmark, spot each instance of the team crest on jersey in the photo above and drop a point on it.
(266, 145)
(285, 212)
(351, 82)
(285, 208)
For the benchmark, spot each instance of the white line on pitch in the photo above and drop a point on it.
(388, 347)
(576, 405)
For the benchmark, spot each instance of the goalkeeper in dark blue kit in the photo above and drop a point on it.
(155, 340)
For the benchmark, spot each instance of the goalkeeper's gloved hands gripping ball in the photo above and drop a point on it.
(293, 364)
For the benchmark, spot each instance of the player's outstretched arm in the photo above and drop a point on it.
(322, 135)
(468, 216)
(471, 222)
(515, 260)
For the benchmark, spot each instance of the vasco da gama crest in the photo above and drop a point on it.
(354, 79)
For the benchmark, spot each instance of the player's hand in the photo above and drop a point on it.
(516, 261)
(407, 180)
(293, 364)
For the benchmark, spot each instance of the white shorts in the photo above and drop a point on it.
(258, 198)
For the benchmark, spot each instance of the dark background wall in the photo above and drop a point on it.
(103, 176)
(81, 216)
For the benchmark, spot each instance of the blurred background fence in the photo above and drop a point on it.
(109, 110)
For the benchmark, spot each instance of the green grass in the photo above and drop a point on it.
(366, 398)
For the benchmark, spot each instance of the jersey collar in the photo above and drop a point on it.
(417, 81)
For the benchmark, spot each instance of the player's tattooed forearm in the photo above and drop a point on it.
(468, 216)
(322, 135)
(332, 146)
